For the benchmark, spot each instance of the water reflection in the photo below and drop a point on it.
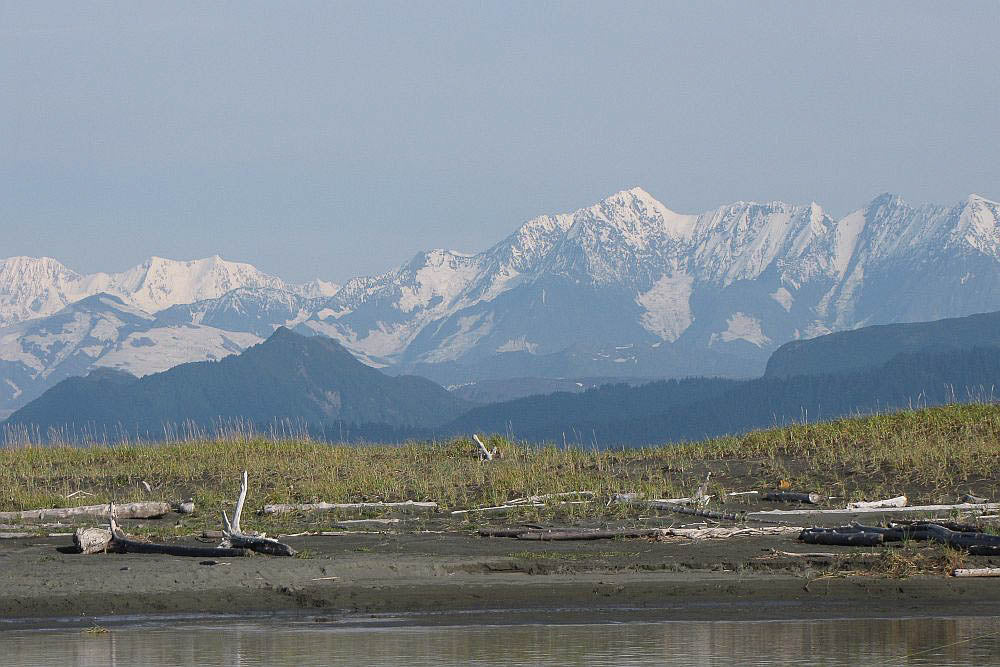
(958, 641)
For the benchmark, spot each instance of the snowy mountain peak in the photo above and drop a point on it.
(315, 289)
(974, 199)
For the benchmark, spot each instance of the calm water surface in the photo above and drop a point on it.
(949, 641)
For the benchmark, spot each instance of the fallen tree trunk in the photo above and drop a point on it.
(140, 510)
(984, 550)
(502, 532)
(126, 545)
(841, 539)
(925, 531)
(409, 505)
(950, 525)
(121, 543)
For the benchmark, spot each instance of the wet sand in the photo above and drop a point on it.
(445, 575)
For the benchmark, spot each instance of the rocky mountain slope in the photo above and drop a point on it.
(623, 288)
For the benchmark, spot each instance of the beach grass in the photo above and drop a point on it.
(932, 456)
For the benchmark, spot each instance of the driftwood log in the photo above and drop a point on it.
(984, 550)
(409, 505)
(833, 538)
(234, 537)
(950, 525)
(976, 572)
(912, 509)
(121, 543)
(976, 543)
(793, 497)
(503, 509)
(898, 501)
(586, 534)
(141, 510)
(524, 533)
(485, 453)
(657, 503)
(720, 532)
(707, 514)
(590, 495)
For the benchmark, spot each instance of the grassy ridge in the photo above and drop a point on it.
(931, 455)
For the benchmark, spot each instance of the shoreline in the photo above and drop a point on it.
(456, 578)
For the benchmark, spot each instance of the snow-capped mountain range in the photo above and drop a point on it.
(35, 287)
(625, 287)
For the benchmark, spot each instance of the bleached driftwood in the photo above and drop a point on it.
(186, 506)
(551, 496)
(141, 510)
(92, 540)
(15, 536)
(961, 507)
(408, 505)
(724, 533)
(554, 534)
(898, 501)
(658, 503)
(235, 537)
(807, 554)
(701, 493)
(503, 509)
(976, 572)
(485, 454)
(368, 522)
(743, 493)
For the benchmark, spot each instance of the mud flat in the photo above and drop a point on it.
(454, 572)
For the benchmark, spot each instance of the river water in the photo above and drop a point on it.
(322, 641)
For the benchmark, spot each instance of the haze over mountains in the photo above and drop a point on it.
(623, 288)
(312, 383)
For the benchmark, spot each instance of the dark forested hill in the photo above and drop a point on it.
(849, 351)
(311, 380)
(697, 408)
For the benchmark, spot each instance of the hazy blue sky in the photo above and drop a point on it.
(334, 139)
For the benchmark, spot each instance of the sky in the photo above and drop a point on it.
(330, 139)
